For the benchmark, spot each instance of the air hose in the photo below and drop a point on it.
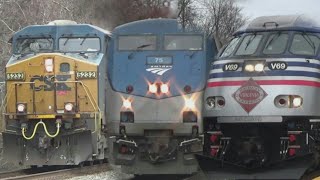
(23, 130)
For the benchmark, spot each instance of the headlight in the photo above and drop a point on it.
(48, 63)
(126, 104)
(210, 102)
(254, 66)
(164, 88)
(288, 101)
(153, 88)
(190, 104)
(21, 108)
(259, 67)
(249, 68)
(68, 107)
(297, 101)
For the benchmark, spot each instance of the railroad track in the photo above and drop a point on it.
(54, 174)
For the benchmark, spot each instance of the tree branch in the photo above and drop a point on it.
(7, 25)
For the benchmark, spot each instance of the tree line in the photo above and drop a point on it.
(217, 18)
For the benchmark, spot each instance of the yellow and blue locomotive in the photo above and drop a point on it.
(54, 79)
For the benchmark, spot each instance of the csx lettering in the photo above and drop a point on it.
(49, 83)
(278, 65)
(230, 67)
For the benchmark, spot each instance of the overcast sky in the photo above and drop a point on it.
(255, 8)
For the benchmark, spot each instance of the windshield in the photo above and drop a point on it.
(193, 43)
(81, 44)
(304, 44)
(276, 43)
(137, 42)
(249, 44)
(231, 47)
(33, 45)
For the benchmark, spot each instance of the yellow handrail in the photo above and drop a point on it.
(92, 100)
(23, 130)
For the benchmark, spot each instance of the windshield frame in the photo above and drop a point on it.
(317, 51)
(227, 45)
(242, 40)
(74, 37)
(183, 34)
(289, 41)
(259, 53)
(117, 45)
(15, 45)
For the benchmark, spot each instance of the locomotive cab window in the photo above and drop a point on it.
(230, 47)
(137, 42)
(249, 44)
(305, 44)
(81, 44)
(276, 43)
(190, 43)
(33, 45)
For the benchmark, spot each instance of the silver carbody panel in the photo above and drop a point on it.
(267, 107)
(152, 114)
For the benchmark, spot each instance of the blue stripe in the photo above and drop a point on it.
(304, 64)
(296, 64)
(266, 73)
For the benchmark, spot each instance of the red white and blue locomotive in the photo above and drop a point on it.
(262, 98)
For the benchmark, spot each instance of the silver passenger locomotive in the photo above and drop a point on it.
(262, 98)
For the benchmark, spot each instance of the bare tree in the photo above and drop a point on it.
(187, 13)
(220, 18)
(112, 13)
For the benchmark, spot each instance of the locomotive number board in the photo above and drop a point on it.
(86, 75)
(18, 76)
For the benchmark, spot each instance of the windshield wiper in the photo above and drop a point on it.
(84, 39)
(130, 56)
(249, 42)
(66, 41)
(310, 42)
(273, 39)
(192, 54)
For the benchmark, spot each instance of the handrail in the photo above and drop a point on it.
(92, 101)
(87, 91)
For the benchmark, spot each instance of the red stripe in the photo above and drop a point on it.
(266, 82)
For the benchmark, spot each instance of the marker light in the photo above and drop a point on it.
(297, 101)
(282, 102)
(210, 102)
(190, 104)
(249, 68)
(164, 88)
(48, 63)
(129, 89)
(68, 107)
(187, 89)
(126, 104)
(21, 107)
(153, 88)
(259, 67)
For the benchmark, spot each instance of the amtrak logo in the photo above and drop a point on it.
(159, 70)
